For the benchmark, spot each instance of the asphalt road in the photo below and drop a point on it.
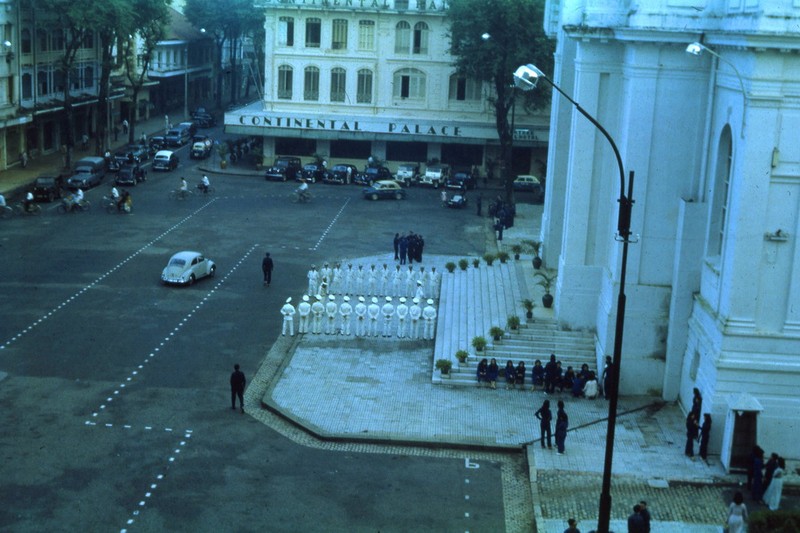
(114, 389)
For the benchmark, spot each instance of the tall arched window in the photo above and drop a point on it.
(409, 83)
(25, 35)
(364, 88)
(42, 87)
(311, 84)
(338, 84)
(721, 194)
(420, 38)
(285, 82)
(402, 38)
(313, 32)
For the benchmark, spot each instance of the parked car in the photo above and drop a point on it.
(284, 168)
(177, 136)
(461, 179)
(89, 172)
(384, 189)
(312, 172)
(341, 174)
(47, 188)
(204, 120)
(373, 174)
(435, 175)
(130, 175)
(530, 184)
(165, 160)
(408, 174)
(184, 268)
(458, 200)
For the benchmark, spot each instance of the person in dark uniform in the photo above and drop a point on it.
(545, 416)
(705, 435)
(478, 204)
(396, 246)
(403, 247)
(691, 433)
(266, 268)
(238, 382)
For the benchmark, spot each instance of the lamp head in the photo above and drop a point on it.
(7, 44)
(695, 49)
(486, 36)
(526, 77)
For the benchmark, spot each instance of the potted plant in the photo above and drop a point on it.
(516, 249)
(496, 332)
(489, 258)
(479, 343)
(462, 355)
(528, 304)
(502, 256)
(463, 264)
(546, 282)
(450, 266)
(513, 322)
(476, 262)
(444, 366)
(537, 261)
(223, 153)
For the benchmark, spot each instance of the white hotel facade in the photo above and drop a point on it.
(350, 79)
(713, 284)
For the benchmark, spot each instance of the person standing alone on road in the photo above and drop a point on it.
(238, 382)
(266, 268)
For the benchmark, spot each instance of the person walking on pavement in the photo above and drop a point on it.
(545, 416)
(331, 309)
(415, 312)
(645, 515)
(125, 126)
(429, 315)
(402, 313)
(737, 514)
(635, 521)
(373, 310)
(288, 312)
(691, 434)
(774, 492)
(238, 382)
(317, 308)
(23, 158)
(266, 268)
(388, 313)
(361, 317)
(562, 423)
(303, 309)
(345, 310)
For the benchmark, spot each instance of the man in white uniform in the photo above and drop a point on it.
(288, 317)
(434, 281)
(336, 280)
(388, 313)
(397, 281)
(361, 317)
(317, 308)
(383, 286)
(313, 280)
(373, 310)
(402, 313)
(325, 275)
(345, 310)
(331, 309)
(303, 309)
(358, 285)
(348, 277)
(372, 281)
(420, 291)
(415, 312)
(429, 315)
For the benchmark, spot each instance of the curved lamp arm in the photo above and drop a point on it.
(697, 49)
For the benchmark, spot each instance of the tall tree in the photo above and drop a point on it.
(489, 40)
(227, 22)
(150, 20)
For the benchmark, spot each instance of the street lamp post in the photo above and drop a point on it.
(697, 49)
(186, 82)
(526, 77)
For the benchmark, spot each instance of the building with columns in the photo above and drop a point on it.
(354, 79)
(712, 283)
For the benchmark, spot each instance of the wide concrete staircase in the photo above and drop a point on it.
(535, 340)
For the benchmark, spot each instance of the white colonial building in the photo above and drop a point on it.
(350, 79)
(713, 283)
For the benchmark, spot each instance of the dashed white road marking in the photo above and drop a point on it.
(330, 226)
(102, 277)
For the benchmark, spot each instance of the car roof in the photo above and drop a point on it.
(527, 176)
(186, 254)
(391, 183)
(164, 153)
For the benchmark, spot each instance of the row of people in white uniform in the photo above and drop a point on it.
(339, 318)
(402, 281)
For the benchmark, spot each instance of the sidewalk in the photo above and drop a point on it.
(16, 180)
(379, 390)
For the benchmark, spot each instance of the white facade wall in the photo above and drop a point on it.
(435, 119)
(712, 286)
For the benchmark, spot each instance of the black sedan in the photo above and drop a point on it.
(341, 174)
(130, 175)
(47, 188)
(312, 173)
(373, 174)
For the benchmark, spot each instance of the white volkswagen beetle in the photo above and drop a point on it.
(184, 268)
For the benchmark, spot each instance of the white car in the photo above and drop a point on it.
(184, 268)
(165, 160)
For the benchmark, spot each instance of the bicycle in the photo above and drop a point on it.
(180, 194)
(111, 205)
(6, 211)
(68, 206)
(33, 209)
(209, 190)
(301, 197)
